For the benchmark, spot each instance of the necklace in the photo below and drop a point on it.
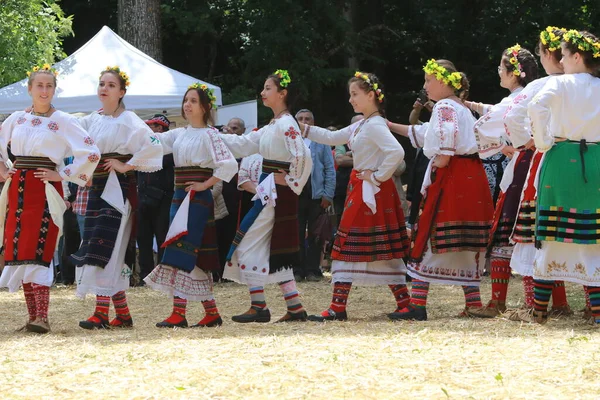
(280, 113)
(114, 112)
(44, 114)
(364, 121)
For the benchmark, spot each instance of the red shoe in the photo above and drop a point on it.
(209, 321)
(120, 322)
(94, 322)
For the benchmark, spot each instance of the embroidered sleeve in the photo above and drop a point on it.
(444, 122)
(416, 134)
(301, 161)
(393, 152)
(86, 156)
(516, 119)
(146, 149)
(489, 132)
(242, 145)
(540, 109)
(332, 138)
(225, 164)
(244, 172)
(6, 133)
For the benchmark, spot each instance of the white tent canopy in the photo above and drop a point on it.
(153, 86)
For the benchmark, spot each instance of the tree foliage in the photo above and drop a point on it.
(31, 32)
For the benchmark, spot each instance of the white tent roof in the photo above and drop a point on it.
(153, 86)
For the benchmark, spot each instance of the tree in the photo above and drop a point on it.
(139, 24)
(31, 33)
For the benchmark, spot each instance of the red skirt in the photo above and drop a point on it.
(30, 235)
(366, 237)
(525, 224)
(457, 210)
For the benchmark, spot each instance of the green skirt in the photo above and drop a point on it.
(569, 194)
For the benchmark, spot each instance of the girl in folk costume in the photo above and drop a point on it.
(371, 239)
(517, 68)
(107, 253)
(201, 160)
(517, 127)
(451, 233)
(565, 115)
(266, 244)
(31, 204)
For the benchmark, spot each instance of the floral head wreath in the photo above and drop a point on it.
(373, 86)
(550, 39)
(513, 53)
(45, 67)
(583, 43)
(442, 74)
(209, 92)
(122, 74)
(284, 77)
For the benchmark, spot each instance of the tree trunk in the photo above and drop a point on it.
(350, 16)
(139, 24)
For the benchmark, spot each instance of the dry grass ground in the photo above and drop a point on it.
(367, 357)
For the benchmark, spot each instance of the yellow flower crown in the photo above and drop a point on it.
(284, 77)
(513, 53)
(583, 43)
(209, 92)
(45, 67)
(116, 69)
(374, 86)
(550, 39)
(442, 74)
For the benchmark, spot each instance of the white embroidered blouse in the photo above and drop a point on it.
(200, 147)
(568, 106)
(449, 131)
(490, 132)
(279, 141)
(516, 119)
(126, 134)
(57, 137)
(250, 170)
(373, 146)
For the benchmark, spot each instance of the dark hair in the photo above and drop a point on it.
(528, 63)
(291, 96)
(557, 53)
(122, 82)
(38, 72)
(463, 92)
(367, 87)
(588, 56)
(204, 103)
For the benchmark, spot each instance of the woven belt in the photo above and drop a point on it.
(24, 162)
(103, 157)
(191, 174)
(269, 166)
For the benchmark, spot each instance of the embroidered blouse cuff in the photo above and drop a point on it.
(306, 131)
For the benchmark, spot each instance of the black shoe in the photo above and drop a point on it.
(413, 314)
(298, 277)
(87, 324)
(119, 322)
(333, 316)
(254, 314)
(166, 324)
(313, 278)
(289, 317)
(216, 322)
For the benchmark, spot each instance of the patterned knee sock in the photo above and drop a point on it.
(401, 295)
(419, 292)
(528, 288)
(211, 312)
(101, 311)
(120, 303)
(291, 296)
(30, 301)
(559, 295)
(594, 293)
(472, 296)
(339, 298)
(500, 274)
(542, 290)
(587, 297)
(178, 314)
(257, 297)
(42, 300)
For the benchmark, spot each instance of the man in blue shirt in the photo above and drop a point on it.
(316, 196)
